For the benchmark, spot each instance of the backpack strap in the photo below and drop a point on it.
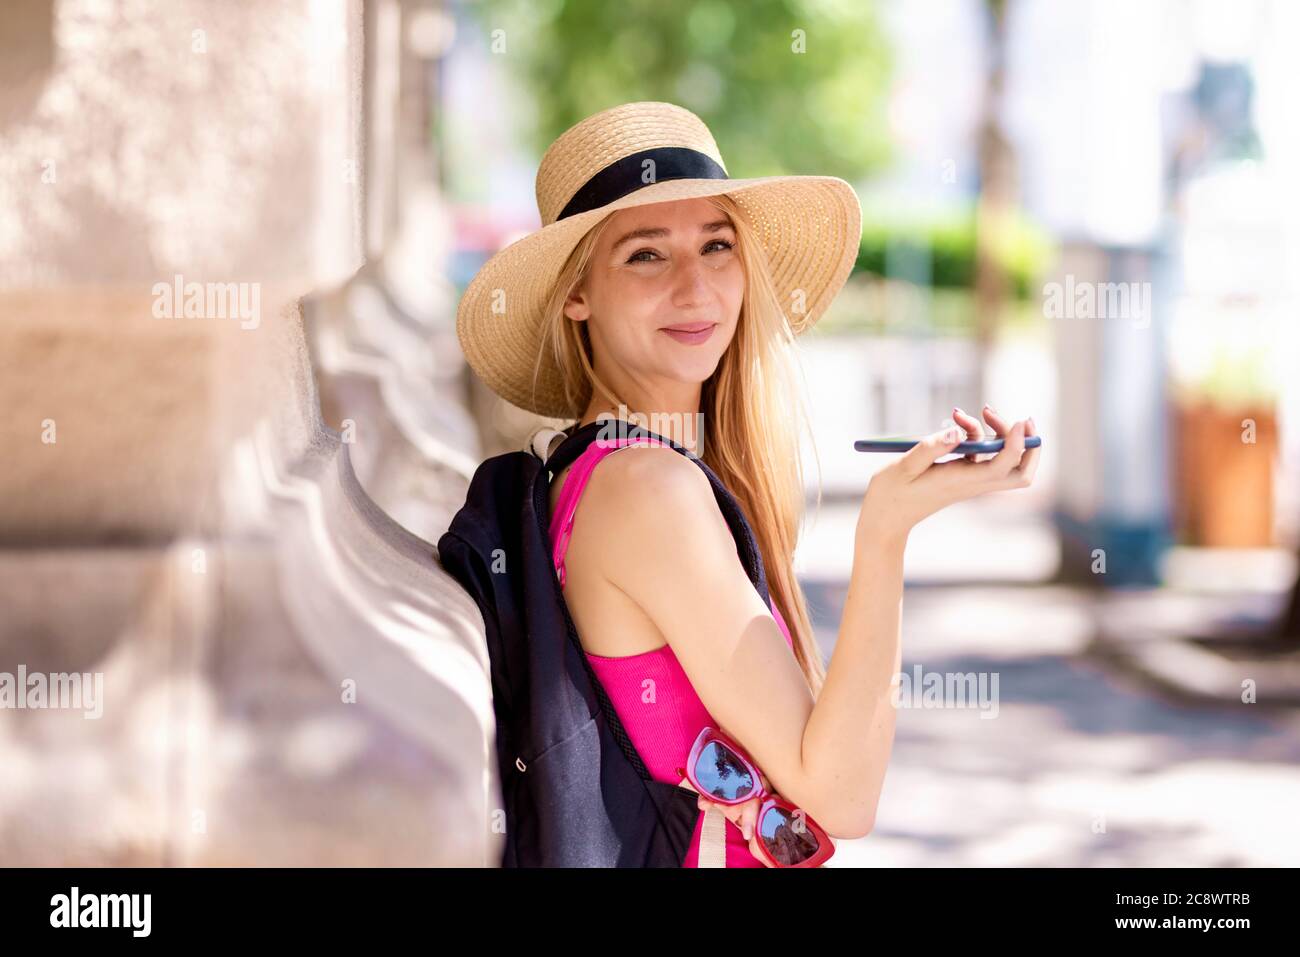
(576, 442)
(543, 442)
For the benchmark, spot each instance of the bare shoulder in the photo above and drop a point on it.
(649, 478)
(646, 495)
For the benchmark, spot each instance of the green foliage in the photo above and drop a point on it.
(771, 109)
(945, 249)
(869, 305)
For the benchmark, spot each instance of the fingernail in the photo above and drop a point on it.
(954, 435)
(957, 409)
(1031, 421)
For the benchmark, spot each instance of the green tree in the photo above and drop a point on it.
(786, 86)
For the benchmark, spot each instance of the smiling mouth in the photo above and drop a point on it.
(692, 333)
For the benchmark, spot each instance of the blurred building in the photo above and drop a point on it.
(235, 417)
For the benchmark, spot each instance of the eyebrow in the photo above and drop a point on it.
(658, 232)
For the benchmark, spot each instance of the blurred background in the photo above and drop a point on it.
(236, 416)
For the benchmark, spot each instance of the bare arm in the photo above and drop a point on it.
(848, 738)
(668, 548)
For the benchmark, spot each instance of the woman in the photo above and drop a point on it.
(660, 290)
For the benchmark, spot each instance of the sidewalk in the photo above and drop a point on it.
(1079, 762)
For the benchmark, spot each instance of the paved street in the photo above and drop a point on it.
(1074, 763)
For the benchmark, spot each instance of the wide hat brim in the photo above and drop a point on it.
(809, 226)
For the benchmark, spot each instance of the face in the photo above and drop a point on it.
(663, 293)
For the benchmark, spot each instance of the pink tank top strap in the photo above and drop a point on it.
(780, 620)
(567, 504)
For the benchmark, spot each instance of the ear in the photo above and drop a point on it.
(576, 306)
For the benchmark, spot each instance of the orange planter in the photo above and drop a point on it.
(1223, 484)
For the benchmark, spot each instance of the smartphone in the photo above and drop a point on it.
(901, 443)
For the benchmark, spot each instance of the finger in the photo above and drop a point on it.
(748, 814)
(705, 804)
(1024, 472)
(732, 812)
(999, 424)
(922, 455)
(735, 813)
(1005, 462)
(972, 426)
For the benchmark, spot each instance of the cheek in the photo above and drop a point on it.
(627, 293)
(624, 312)
(731, 286)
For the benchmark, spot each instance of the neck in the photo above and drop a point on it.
(675, 417)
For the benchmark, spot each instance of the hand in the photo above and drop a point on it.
(739, 814)
(915, 486)
(974, 430)
(744, 815)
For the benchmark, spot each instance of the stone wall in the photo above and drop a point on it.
(288, 677)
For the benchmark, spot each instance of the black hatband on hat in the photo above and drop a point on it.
(626, 175)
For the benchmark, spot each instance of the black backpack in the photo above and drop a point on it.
(576, 792)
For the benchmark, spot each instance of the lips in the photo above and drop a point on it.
(691, 333)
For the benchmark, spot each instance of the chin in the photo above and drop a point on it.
(694, 372)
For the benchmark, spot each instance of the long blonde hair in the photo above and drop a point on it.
(751, 437)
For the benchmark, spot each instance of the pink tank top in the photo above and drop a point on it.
(664, 724)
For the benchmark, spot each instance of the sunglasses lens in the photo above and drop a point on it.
(787, 836)
(723, 774)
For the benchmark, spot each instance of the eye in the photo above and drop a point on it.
(633, 257)
(725, 244)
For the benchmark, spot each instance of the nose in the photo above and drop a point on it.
(690, 285)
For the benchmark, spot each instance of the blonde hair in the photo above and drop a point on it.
(751, 436)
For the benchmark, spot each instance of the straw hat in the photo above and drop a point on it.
(810, 227)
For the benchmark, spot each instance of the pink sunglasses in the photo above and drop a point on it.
(721, 771)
